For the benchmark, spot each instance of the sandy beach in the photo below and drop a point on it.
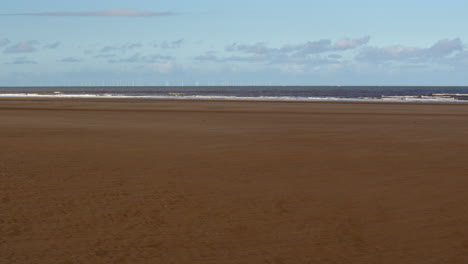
(132, 181)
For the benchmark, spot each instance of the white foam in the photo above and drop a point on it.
(423, 99)
(450, 94)
(440, 98)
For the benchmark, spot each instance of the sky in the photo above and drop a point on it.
(207, 42)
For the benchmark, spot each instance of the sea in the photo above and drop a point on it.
(399, 94)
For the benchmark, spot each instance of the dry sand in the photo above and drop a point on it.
(118, 181)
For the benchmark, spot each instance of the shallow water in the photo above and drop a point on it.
(265, 93)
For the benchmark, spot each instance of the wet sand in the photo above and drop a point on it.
(118, 181)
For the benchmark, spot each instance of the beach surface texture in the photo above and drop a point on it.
(134, 181)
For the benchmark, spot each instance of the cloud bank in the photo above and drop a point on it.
(348, 57)
(310, 47)
(311, 52)
(103, 13)
(327, 52)
(439, 50)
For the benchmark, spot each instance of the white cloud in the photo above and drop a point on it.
(445, 47)
(439, 50)
(22, 47)
(345, 44)
(258, 48)
(309, 53)
(314, 47)
(291, 53)
(326, 56)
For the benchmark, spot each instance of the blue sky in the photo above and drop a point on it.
(206, 42)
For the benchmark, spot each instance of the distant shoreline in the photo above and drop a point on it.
(223, 99)
(142, 100)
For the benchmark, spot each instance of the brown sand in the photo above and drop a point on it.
(102, 181)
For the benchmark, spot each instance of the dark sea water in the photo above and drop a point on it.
(421, 94)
